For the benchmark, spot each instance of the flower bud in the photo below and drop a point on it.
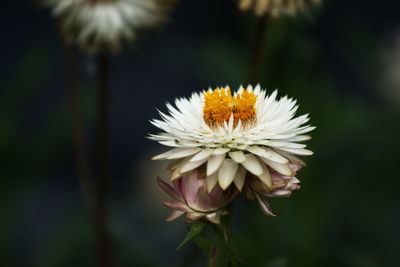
(282, 186)
(190, 197)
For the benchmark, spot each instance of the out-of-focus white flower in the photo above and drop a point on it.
(106, 24)
(232, 135)
(275, 8)
(191, 198)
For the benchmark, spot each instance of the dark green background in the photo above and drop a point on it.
(341, 63)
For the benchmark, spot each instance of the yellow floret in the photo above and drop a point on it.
(219, 105)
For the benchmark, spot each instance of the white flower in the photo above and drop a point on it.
(275, 7)
(105, 24)
(233, 135)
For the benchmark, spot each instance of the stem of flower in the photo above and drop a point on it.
(84, 172)
(258, 49)
(220, 255)
(103, 236)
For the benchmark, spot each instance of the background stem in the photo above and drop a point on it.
(78, 132)
(258, 50)
(103, 236)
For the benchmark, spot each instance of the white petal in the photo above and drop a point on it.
(168, 153)
(220, 151)
(256, 150)
(176, 173)
(184, 153)
(272, 155)
(214, 162)
(237, 156)
(252, 164)
(171, 143)
(265, 177)
(299, 138)
(302, 152)
(227, 173)
(283, 169)
(240, 178)
(214, 217)
(267, 153)
(292, 158)
(203, 154)
(192, 165)
(211, 182)
(174, 164)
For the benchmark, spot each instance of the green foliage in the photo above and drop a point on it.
(194, 231)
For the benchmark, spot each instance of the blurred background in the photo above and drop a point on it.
(342, 63)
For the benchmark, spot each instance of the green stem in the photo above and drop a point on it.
(220, 255)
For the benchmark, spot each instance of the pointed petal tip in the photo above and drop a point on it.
(175, 175)
(214, 217)
(159, 181)
(264, 205)
(223, 186)
(167, 188)
(174, 215)
(211, 182)
(253, 165)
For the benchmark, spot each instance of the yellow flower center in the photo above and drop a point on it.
(219, 105)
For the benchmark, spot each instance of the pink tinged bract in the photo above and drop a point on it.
(279, 185)
(191, 197)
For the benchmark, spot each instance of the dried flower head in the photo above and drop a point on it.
(232, 135)
(276, 8)
(98, 25)
(191, 198)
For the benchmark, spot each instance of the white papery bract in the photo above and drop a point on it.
(268, 142)
(105, 24)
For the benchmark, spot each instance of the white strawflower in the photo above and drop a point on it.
(247, 133)
(105, 24)
(275, 7)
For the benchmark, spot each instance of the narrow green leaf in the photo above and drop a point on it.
(193, 232)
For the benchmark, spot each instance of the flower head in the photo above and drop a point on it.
(239, 136)
(191, 198)
(275, 7)
(105, 24)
